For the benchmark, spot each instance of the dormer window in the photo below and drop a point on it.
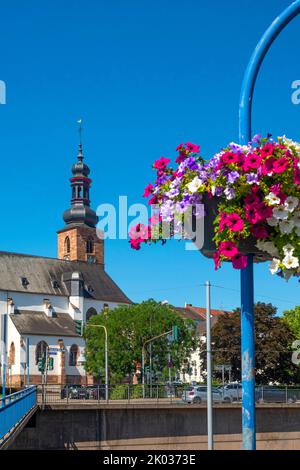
(24, 281)
(55, 284)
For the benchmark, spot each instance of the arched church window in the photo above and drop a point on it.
(67, 245)
(40, 350)
(90, 313)
(90, 245)
(12, 354)
(73, 355)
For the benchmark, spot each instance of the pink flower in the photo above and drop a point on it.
(267, 150)
(217, 260)
(155, 219)
(148, 190)
(263, 211)
(179, 147)
(153, 200)
(275, 189)
(260, 232)
(228, 249)
(239, 261)
(229, 158)
(251, 215)
(280, 165)
(192, 147)
(135, 244)
(252, 161)
(161, 163)
(251, 198)
(235, 223)
(268, 166)
(223, 221)
(296, 175)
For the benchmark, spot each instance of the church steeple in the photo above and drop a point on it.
(78, 239)
(80, 212)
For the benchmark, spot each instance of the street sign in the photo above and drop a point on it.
(52, 353)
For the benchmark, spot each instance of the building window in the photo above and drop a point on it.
(40, 350)
(12, 354)
(67, 245)
(73, 355)
(79, 189)
(90, 313)
(90, 245)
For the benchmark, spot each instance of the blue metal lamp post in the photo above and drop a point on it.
(247, 298)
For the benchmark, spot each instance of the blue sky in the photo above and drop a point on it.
(145, 76)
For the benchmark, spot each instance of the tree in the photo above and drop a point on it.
(129, 326)
(273, 340)
(292, 319)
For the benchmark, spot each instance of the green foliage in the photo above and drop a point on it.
(273, 340)
(292, 319)
(129, 326)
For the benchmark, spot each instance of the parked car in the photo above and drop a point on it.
(269, 394)
(199, 394)
(231, 392)
(68, 390)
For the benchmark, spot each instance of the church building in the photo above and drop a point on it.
(44, 301)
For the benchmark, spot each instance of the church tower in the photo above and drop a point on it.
(78, 240)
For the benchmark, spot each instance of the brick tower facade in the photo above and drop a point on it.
(78, 240)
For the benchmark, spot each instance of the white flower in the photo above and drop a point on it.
(194, 185)
(274, 266)
(286, 226)
(280, 213)
(291, 203)
(272, 199)
(229, 193)
(296, 218)
(272, 221)
(290, 262)
(288, 249)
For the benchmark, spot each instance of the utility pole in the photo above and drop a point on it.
(210, 443)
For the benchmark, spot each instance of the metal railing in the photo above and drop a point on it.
(14, 408)
(160, 393)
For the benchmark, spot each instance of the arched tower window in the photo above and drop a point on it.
(12, 354)
(40, 350)
(90, 313)
(67, 245)
(90, 245)
(73, 355)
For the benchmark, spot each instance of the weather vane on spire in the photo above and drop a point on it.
(80, 130)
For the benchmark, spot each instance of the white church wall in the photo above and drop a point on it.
(13, 336)
(28, 301)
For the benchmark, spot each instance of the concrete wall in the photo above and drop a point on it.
(167, 427)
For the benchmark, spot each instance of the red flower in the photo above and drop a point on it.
(252, 161)
(161, 163)
(229, 157)
(264, 211)
(228, 249)
(251, 215)
(280, 165)
(192, 147)
(251, 198)
(260, 232)
(239, 261)
(148, 190)
(268, 166)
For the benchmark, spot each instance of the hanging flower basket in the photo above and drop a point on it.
(251, 196)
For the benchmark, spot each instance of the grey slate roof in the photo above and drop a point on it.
(41, 272)
(37, 323)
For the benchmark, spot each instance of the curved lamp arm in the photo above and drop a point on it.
(245, 108)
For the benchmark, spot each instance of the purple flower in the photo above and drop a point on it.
(252, 178)
(255, 139)
(191, 163)
(162, 180)
(229, 193)
(232, 176)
